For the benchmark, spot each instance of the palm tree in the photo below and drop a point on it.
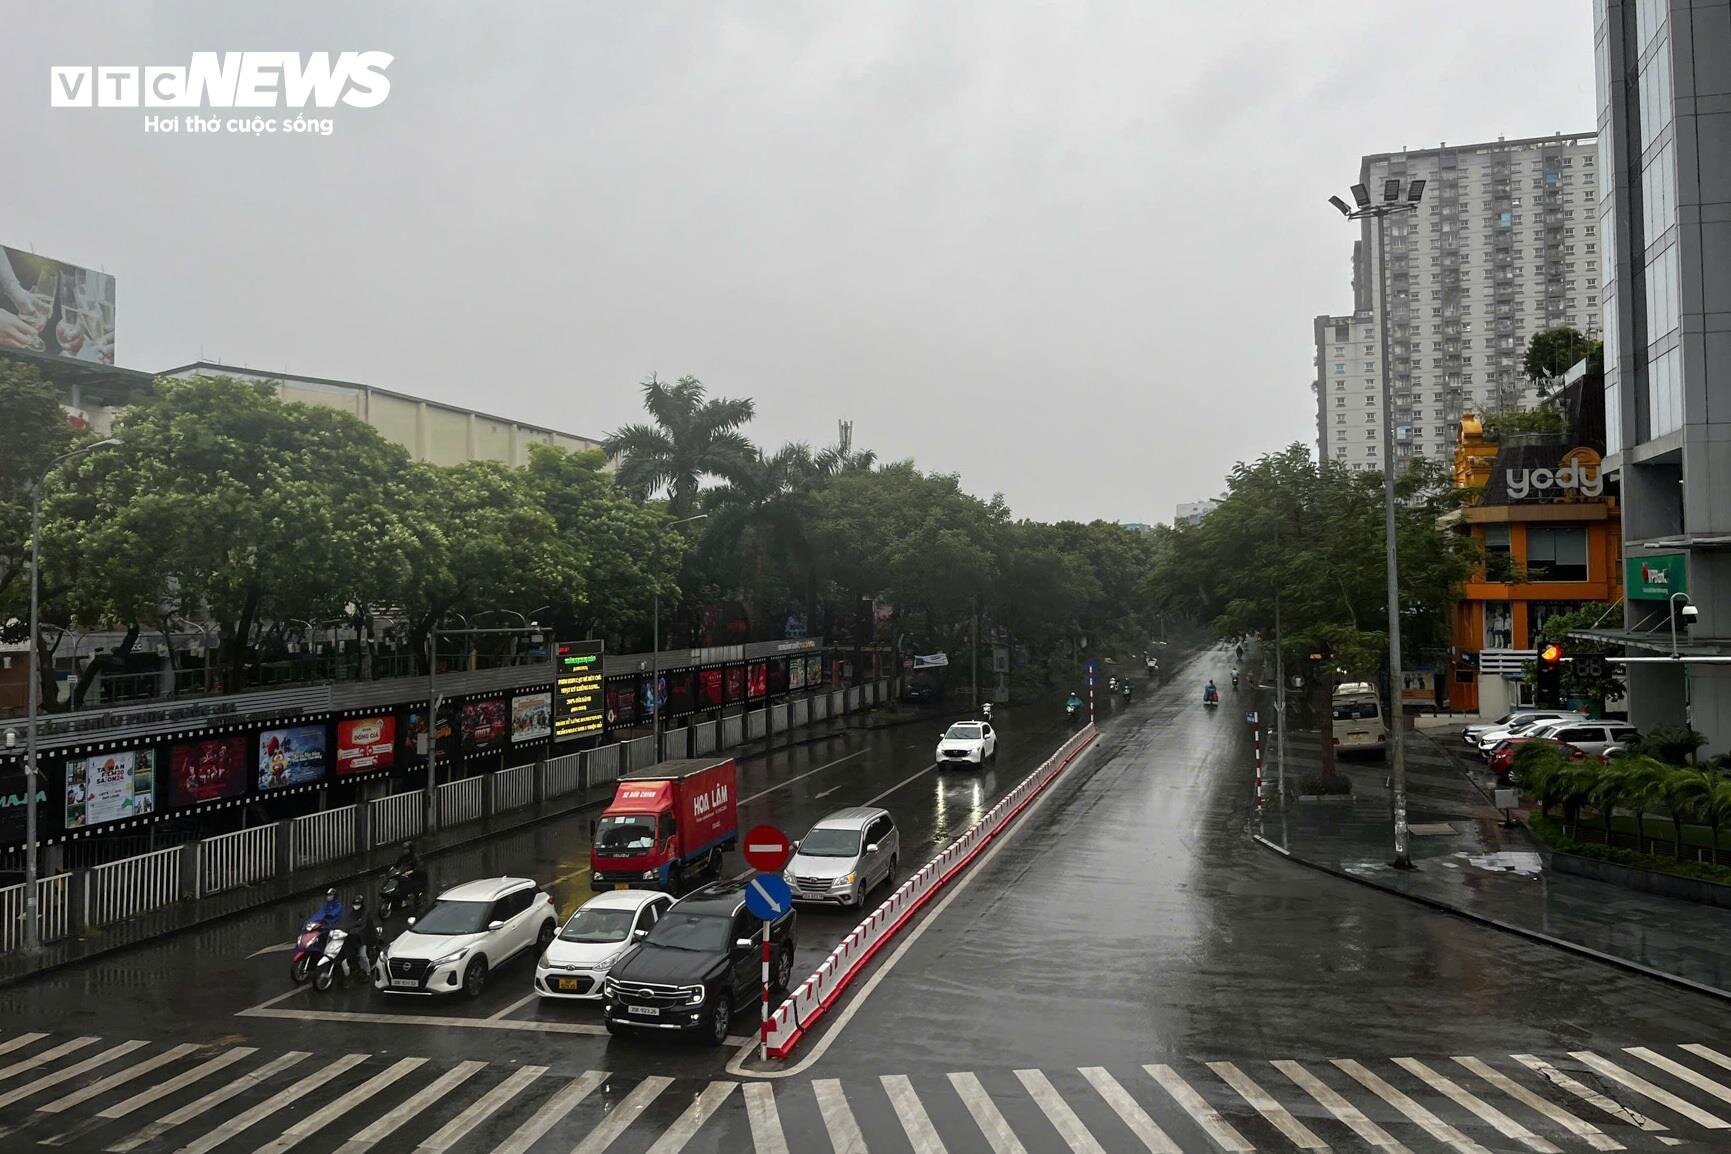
(1716, 808)
(1686, 793)
(1643, 790)
(762, 509)
(835, 459)
(693, 437)
(1607, 791)
(1576, 785)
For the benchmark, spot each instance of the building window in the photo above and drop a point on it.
(1499, 564)
(1499, 625)
(1340, 400)
(1556, 553)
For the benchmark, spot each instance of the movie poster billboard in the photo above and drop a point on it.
(365, 744)
(291, 756)
(486, 724)
(531, 716)
(54, 308)
(415, 731)
(735, 683)
(814, 671)
(681, 693)
(14, 801)
(777, 676)
(210, 770)
(795, 673)
(710, 693)
(107, 787)
(757, 681)
(651, 694)
(621, 702)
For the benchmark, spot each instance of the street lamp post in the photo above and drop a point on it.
(1393, 204)
(1688, 611)
(32, 931)
(655, 647)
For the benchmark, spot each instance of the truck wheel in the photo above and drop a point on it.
(714, 868)
(720, 1018)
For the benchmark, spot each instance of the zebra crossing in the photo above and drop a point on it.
(86, 1093)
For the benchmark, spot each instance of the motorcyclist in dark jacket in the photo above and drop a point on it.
(366, 934)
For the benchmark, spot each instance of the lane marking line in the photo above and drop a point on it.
(1675, 1069)
(48, 1055)
(838, 1118)
(766, 1134)
(279, 948)
(801, 777)
(552, 1111)
(1586, 1094)
(1265, 1104)
(686, 1126)
(1058, 1112)
(1343, 1110)
(182, 1080)
(1645, 1088)
(1501, 1122)
(422, 1098)
(517, 1005)
(1579, 1127)
(1427, 1121)
(617, 1120)
(436, 1020)
(21, 1040)
(1130, 1111)
(479, 1110)
(48, 1081)
(278, 1101)
(987, 1116)
(1218, 1129)
(1708, 1053)
(136, 1071)
(347, 1101)
(916, 1123)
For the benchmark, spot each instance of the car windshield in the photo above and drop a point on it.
(590, 924)
(706, 933)
(455, 918)
(625, 831)
(1355, 710)
(830, 842)
(963, 733)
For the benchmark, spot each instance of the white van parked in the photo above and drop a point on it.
(1358, 721)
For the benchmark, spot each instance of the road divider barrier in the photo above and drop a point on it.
(812, 998)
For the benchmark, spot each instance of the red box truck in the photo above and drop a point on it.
(667, 825)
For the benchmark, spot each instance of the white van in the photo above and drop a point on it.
(1358, 722)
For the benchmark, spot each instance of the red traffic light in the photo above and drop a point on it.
(1551, 654)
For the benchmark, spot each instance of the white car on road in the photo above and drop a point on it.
(470, 931)
(604, 927)
(1524, 726)
(968, 741)
(1516, 716)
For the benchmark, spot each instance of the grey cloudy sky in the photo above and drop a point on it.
(1069, 250)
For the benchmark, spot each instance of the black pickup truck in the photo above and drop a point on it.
(697, 966)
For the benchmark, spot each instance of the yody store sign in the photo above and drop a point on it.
(1577, 475)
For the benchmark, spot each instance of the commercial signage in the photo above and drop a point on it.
(622, 697)
(13, 802)
(531, 716)
(294, 756)
(1656, 578)
(709, 689)
(58, 309)
(651, 694)
(757, 681)
(1576, 475)
(734, 676)
(365, 744)
(107, 787)
(415, 731)
(577, 699)
(484, 724)
(814, 670)
(796, 673)
(208, 770)
(680, 693)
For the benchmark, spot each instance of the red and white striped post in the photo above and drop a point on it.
(1258, 746)
(763, 1030)
(1090, 697)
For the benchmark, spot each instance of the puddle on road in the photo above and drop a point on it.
(1521, 862)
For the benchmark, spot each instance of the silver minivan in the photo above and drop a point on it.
(844, 857)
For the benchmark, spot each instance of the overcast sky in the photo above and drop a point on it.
(1069, 250)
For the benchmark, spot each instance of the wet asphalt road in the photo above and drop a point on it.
(1126, 972)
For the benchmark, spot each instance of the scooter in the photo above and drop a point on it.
(1125, 690)
(986, 710)
(344, 957)
(308, 946)
(1071, 712)
(401, 890)
(1211, 700)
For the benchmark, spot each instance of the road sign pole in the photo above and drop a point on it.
(763, 1029)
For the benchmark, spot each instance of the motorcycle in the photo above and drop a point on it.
(344, 957)
(308, 946)
(1125, 690)
(1071, 711)
(1210, 699)
(1235, 685)
(401, 890)
(986, 710)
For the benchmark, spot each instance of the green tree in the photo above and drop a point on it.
(1552, 352)
(758, 518)
(1575, 683)
(33, 434)
(693, 437)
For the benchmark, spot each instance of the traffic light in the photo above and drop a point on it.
(1548, 689)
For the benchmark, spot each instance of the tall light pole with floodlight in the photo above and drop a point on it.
(1393, 203)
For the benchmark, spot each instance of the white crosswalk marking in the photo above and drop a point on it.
(1501, 1122)
(686, 1126)
(1058, 1112)
(67, 1073)
(119, 1078)
(282, 1098)
(1218, 1129)
(481, 1108)
(562, 1102)
(766, 1135)
(1281, 1118)
(53, 1053)
(622, 1115)
(434, 1091)
(1681, 1072)
(986, 1115)
(1579, 1127)
(1427, 1121)
(18, 1043)
(915, 1122)
(1129, 1111)
(341, 1105)
(197, 1106)
(1343, 1110)
(1708, 1053)
(1586, 1093)
(838, 1119)
(1645, 1088)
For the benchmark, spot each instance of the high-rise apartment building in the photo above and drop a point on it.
(1505, 243)
(1664, 94)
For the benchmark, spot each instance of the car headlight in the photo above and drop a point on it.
(649, 875)
(451, 958)
(610, 988)
(605, 964)
(843, 883)
(694, 995)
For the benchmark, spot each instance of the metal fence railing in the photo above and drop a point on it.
(754, 722)
(230, 860)
(53, 911)
(396, 818)
(513, 788)
(562, 775)
(322, 837)
(132, 886)
(460, 801)
(639, 753)
(673, 743)
(732, 730)
(704, 741)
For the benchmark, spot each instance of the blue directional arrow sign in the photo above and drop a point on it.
(767, 896)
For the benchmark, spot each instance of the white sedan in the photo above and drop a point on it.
(971, 741)
(602, 929)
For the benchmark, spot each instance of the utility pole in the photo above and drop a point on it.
(974, 646)
(1279, 705)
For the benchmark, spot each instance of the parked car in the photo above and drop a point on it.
(1474, 732)
(598, 934)
(1358, 723)
(1595, 737)
(471, 930)
(1527, 723)
(697, 965)
(968, 741)
(844, 857)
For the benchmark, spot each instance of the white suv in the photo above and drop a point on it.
(470, 931)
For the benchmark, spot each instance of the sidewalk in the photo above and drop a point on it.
(1468, 864)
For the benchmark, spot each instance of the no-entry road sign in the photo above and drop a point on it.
(767, 849)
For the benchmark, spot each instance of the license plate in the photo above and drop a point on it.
(644, 1011)
(407, 983)
(571, 984)
(621, 885)
(1358, 736)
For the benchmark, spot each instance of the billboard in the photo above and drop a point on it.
(1657, 577)
(577, 693)
(293, 756)
(709, 695)
(208, 770)
(796, 673)
(531, 716)
(680, 695)
(757, 681)
(651, 694)
(735, 677)
(814, 670)
(13, 801)
(107, 787)
(415, 731)
(59, 309)
(484, 724)
(621, 701)
(778, 677)
(366, 743)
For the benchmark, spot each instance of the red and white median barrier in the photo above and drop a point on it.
(812, 998)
